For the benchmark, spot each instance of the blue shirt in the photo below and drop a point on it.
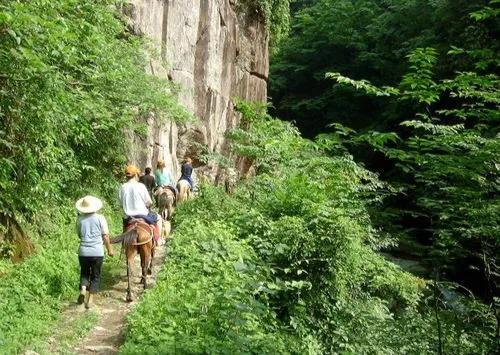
(163, 178)
(90, 228)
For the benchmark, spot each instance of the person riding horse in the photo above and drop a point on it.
(148, 180)
(136, 201)
(163, 178)
(187, 171)
(139, 236)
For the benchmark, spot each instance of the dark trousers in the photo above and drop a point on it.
(150, 218)
(90, 272)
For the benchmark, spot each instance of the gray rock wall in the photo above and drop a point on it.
(214, 53)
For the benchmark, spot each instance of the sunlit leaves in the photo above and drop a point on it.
(72, 80)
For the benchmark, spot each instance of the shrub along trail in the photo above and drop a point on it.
(104, 324)
(107, 335)
(290, 264)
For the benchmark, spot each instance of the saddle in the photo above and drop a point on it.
(131, 223)
(170, 187)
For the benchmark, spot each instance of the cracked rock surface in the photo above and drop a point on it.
(214, 52)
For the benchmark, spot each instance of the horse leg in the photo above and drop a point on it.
(145, 260)
(170, 209)
(163, 212)
(181, 193)
(129, 274)
(166, 229)
(150, 266)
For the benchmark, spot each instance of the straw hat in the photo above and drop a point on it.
(88, 204)
(131, 170)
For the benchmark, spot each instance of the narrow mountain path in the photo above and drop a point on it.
(102, 327)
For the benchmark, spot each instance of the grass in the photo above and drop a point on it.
(66, 332)
(33, 293)
(203, 301)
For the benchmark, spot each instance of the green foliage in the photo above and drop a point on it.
(204, 300)
(452, 156)
(288, 265)
(276, 14)
(367, 39)
(69, 329)
(423, 96)
(31, 293)
(269, 142)
(72, 81)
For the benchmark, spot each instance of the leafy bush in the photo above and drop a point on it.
(449, 164)
(73, 80)
(275, 13)
(204, 299)
(367, 39)
(290, 257)
(31, 292)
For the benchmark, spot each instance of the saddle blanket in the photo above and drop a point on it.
(130, 223)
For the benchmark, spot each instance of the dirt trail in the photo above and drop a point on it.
(110, 308)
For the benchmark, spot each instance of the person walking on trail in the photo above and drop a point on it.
(187, 171)
(148, 180)
(136, 201)
(92, 229)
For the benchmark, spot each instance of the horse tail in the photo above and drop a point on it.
(179, 192)
(183, 187)
(127, 238)
(162, 200)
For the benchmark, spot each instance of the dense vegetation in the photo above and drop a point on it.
(289, 264)
(72, 80)
(275, 13)
(416, 101)
(32, 292)
(369, 39)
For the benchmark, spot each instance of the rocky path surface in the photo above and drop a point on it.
(106, 335)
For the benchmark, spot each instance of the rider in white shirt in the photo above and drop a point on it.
(134, 197)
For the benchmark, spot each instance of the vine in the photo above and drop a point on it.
(276, 15)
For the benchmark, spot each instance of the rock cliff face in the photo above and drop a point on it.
(215, 53)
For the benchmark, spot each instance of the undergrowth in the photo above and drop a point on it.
(32, 292)
(289, 264)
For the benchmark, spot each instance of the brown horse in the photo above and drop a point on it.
(137, 239)
(165, 201)
(184, 189)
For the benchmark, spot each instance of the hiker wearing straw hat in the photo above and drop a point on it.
(92, 228)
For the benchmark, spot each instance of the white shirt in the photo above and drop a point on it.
(134, 198)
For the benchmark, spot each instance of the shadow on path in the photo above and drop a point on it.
(106, 320)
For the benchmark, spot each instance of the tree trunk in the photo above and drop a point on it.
(12, 234)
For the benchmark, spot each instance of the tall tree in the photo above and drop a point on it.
(364, 39)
